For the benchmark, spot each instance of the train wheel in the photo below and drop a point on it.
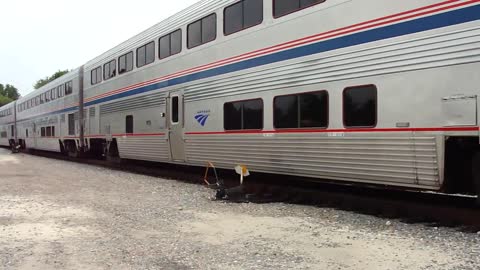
(476, 174)
(72, 150)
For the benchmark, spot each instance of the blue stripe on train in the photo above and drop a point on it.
(409, 27)
(450, 18)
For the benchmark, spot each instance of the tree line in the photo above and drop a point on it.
(9, 93)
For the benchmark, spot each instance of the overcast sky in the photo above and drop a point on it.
(39, 37)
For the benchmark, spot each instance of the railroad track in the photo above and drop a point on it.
(433, 209)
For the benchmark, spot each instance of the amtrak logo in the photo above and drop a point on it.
(202, 117)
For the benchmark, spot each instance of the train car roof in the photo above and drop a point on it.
(9, 105)
(172, 23)
(65, 78)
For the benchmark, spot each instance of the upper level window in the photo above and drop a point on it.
(125, 63)
(96, 75)
(284, 7)
(306, 110)
(61, 90)
(243, 115)
(242, 15)
(53, 94)
(360, 106)
(110, 69)
(42, 98)
(68, 88)
(170, 44)
(202, 31)
(146, 54)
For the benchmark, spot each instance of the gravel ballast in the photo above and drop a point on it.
(62, 215)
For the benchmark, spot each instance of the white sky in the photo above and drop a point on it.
(39, 37)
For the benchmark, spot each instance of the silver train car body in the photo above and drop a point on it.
(49, 116)
(419, 59)
(7, 125)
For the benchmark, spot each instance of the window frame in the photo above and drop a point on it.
(276, 17)
(243, 14)
(68, 84)
(243, 130)
(376, 107)
(61, 91)
(299, 94)
(145, 46)
(201, 30)
(126, 66)
(53, 94)
(109, 64)
(95, 70)
(170, 44)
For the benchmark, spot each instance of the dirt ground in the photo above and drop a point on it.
(62, 215)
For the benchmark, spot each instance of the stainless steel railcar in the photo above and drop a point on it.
(356, 91)
(7, 125)
(47, 117)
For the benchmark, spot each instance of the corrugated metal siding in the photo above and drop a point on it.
(383, 160)
(427, 52)
(92, 111)
(154, 148)
(142, 102)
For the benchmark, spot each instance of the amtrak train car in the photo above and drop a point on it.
(346, 90)
(49, 118)
(7, 125)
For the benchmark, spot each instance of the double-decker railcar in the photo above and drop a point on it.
(7, 125)
(49, 118)
(353, 91)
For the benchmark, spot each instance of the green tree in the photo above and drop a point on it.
(4, 100)
(48, 79)
(8, 93)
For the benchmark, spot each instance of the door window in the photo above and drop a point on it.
(71, 124)
(175, 109)
(129, 124)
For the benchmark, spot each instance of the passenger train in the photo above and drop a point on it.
(352, 91)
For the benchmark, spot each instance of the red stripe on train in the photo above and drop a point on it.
(364, 130)
(298, 42)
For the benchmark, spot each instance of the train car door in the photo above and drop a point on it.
(176, 125)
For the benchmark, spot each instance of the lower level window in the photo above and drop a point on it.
(360, 106)
(242, 115)
(306, 110)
